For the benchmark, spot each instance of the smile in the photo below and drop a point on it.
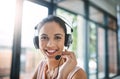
(50, 52)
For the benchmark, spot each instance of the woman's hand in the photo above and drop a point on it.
(69, 64)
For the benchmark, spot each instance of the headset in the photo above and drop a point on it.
(68, 37)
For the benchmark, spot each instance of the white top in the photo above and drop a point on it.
(41, 71)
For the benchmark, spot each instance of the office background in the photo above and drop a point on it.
(96, 38)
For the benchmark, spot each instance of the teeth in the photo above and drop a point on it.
(51, 51)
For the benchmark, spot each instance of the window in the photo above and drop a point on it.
(76, 6)
(92, 50)
(7, 16)
(101, 53)
(112, 47)
(112, 23)
(96, 15)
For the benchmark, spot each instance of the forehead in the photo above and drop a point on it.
(51, 27)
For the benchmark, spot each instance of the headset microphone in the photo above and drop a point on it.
(57, 57)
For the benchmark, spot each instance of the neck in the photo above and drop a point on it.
(51, 67)
(52, 64)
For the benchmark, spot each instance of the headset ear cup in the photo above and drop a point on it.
(68, 40)
(36, 42)
(65, 44)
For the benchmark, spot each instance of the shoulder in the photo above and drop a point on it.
(80, 74)
(37, 69)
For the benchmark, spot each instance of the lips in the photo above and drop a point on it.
(50, 52)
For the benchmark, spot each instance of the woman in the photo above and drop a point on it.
(58, 63)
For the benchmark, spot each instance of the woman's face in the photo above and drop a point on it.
(51, 39)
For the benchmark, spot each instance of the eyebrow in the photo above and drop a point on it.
(58, 34)
(43, 35)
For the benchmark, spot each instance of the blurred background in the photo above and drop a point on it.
(96, 36)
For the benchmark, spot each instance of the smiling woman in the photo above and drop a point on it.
(52, 44)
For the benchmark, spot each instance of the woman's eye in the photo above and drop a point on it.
(44, 38)
(57, 37)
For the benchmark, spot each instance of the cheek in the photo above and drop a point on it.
(41, 45)
(61, 44)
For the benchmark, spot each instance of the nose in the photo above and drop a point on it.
(51, 43)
